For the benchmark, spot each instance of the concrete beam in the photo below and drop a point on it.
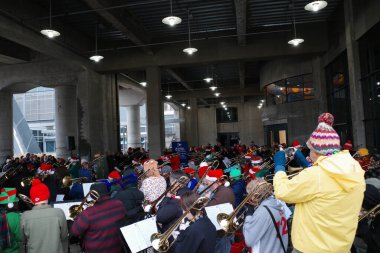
(19, 33)
(241, 21)
(120, 21)
(183, 82)
(265, 46)
(225, 92)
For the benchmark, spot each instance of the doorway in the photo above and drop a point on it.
(276, 134)
(228, 139)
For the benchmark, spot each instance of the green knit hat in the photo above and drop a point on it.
(235, 173)
(8, 195)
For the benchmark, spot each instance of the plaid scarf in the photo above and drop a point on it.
(5, 235)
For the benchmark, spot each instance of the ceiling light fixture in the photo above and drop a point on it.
(189, 50)
(96, 57)
(217, 94)
(208, 79)
(183, 104)
(225, 108)
(168, 96)
(262, 101)
(315, 6)
(171, 20)
(188, 108)
(50, 33)
(143, 84)
(213, 87)
(296, 41)
(222, 103)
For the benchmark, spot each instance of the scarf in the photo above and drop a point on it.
(5, 235)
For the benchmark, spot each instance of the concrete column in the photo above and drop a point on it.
(133, 126)
(193, 123)
(357, 112)
(65, 119)
(154, 112)
(6, 125)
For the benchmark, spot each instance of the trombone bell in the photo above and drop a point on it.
(223, 220)
(158, 244)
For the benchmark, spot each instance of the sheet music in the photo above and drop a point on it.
(137, 235)
(86, 188)
(65, 207)
(213, 211)
(59, 197)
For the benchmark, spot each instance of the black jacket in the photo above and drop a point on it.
(132, 199)
(199, 237)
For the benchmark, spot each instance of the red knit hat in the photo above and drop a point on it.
(296, 144)
(348, 145)
(214, 175)
(202, 169)
(189, 170)
(324, 140)
(39, 191)
(114, 175)
(46, 166)
(256, 160)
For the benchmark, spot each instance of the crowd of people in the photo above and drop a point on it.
(310, 198)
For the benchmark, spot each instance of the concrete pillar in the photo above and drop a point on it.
(65, 119)
(133, 126)
(6, 125)
(193, 123)
(357, 112)
(154, 112)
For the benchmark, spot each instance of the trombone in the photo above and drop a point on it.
(151, 207)
(223, 179)
(205, 174)
(67, 181)
(160, 242)
(27, 200)
(371, 213)
(75, 210)
(9, 173)
(270, 177)
(227, 221)
(28, 180)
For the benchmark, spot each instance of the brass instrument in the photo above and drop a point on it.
(28, 180)
(160, 242)
(26, 199)
(260, 192)
(289, 175)
(223, 179)
(75, 210)
(371, 213)
(9, 173)
(205, 174)
(151, 207)
(91, 163)
(67, 181)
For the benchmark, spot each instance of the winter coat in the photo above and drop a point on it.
(239, 189)
(259, 231)
(132, 199)
(328, 198)
(14, 227)
(44, 229)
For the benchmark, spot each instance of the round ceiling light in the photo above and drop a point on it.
(217, 94)
(190, 50)
(213, 87)
(50, 33)
(183, 104)
(96, 58)
(208, 79)
(172, 20)
(296, 41)
(168, 96)
(143, 84)
(315, 6)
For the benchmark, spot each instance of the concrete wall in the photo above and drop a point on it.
(366, 15)
(207, 125)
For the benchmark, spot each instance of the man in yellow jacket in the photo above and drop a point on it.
(328, 195)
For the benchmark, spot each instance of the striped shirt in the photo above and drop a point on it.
(99, 226)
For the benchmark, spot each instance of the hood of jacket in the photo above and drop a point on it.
(343, 168)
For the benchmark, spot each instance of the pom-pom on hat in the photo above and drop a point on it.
(348, 145)
(114, 175)
(324, 140)
(8, 195)
(39, 191)
(214, 175)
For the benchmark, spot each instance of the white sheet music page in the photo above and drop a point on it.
(65, 208)
(213, 211)
(86, 188)
(137, 235)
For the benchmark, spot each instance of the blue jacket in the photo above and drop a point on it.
(239, 189)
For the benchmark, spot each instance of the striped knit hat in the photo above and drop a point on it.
(324, 140)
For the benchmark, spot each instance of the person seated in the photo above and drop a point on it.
(200, 236)
(44, 228)
(193, 180)
(154, 184)
(99, 225)
(238, 186)
(85, 171)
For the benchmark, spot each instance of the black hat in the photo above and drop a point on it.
(371, 197)
(100, 188)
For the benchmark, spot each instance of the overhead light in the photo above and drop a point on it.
(217, 94)
(225, 108)
(222, 103)
(189, 50)
(295, 41)
(278, 96)
(50, 33)
(262, 101)
(208, 79)
(315, 6)
(171, 20)
(96, 57)
(183, 104)
(188, 108)
(259, 107)
(143, 84)
(168, 96)
(213, 87)
(378, 83)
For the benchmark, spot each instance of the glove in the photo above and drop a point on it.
(301, 160)
(279, 161)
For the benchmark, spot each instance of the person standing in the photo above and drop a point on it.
(43, 229)
(327, 196)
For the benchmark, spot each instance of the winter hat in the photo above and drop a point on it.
(8, 196)
(39, 191)
(100, 188)
(189, 170)
(324, 140)
(363, 151)
(296, 144)
(256, 160)
(371, 197)
(235, 174)
(46, 166)
(214, 175)
(348, 145)
(114, 175)
(202, 169)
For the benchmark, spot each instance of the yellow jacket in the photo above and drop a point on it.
(328, 198)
